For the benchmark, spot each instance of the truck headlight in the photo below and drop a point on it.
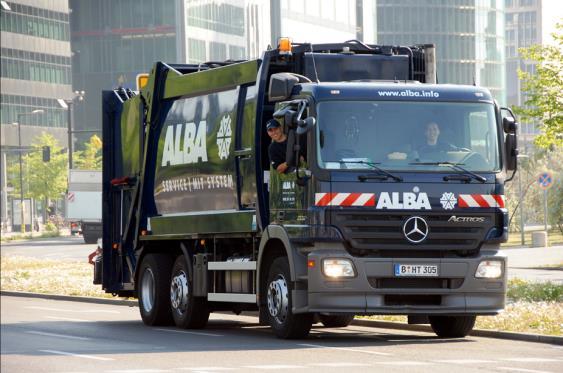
(489, 269)
(336, 268)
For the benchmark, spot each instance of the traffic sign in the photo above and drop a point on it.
(545, 180)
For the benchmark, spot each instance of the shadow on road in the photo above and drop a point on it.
(122, 337)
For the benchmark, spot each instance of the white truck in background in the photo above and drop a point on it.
(84, 203)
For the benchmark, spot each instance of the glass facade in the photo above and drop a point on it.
(114, 40)
(39, 67)
(224, 30)
(28, 20)
(33, 78)
(468, 34)
(12, 105)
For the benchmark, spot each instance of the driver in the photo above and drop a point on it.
(433, 144)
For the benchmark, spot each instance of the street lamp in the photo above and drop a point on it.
(67, 104)
(22, 208)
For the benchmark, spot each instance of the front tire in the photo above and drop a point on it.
(153, 290)
(452, 326)
(188, 311)
(282, 320)
(336, 321)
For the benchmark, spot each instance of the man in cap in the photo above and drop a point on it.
(277, 148)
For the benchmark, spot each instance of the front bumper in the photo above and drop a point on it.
(376, 290)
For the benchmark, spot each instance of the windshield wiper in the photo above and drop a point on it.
(384, 174)
(455, 166)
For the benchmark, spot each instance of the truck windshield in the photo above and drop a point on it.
(407, 136)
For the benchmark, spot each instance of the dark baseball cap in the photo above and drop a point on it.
(272, 123)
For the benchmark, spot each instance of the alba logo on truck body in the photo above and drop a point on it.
(409, 201)
(192, 149)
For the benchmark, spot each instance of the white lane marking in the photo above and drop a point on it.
(77, 355)
(339, 365)
(531, 359)
(345, 349)
(187, 332)
(523, 370)
(67, 310)
(464, 361)
(207, 369)
(65, 319)
(138, 370)
(57, 335)
(274, 367)
(403, 363)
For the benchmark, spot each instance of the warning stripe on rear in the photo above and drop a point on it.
(481, 200)
(344, 199)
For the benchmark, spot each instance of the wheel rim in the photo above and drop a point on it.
(148, 289)
(278, 296)
(179, 292)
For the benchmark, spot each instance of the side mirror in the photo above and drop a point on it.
(509, 125)
(281, 85)
(304, 126)
(511, 151)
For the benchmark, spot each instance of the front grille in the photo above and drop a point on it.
(381, 232)
(415, 283)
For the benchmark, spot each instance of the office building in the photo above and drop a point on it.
(35, 72)
(468, 34)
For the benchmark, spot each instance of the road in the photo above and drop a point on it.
(41, 335)
(525, 263)
(65, 248)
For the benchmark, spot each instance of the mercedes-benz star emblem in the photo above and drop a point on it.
(415, 229)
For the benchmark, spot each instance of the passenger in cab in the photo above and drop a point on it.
(277, 148)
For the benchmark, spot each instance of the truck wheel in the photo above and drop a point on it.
(452, 326)
(336, 321)
(283, 321)
(154, 281)
(188, 311)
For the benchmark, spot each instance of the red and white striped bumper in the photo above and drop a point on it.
(480, 200)
(344, 199)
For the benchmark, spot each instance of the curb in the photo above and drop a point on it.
(527, 337)
(70, 298)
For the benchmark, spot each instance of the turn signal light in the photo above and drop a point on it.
(310, 263)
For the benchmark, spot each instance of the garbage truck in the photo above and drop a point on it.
(392, 202)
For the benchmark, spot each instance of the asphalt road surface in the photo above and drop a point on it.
(65, 248)
(40, 335)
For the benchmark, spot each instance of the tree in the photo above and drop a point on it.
(44, 180)
(543, 90)
(91, 157)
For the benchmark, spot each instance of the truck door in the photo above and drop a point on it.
(245, 149)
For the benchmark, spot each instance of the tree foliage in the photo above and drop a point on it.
(544, 90)
(42, 180)
(91, 157)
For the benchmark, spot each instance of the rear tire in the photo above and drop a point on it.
(188, 311)
(90, 239)
(336, 321)
(282, 320)
(153, 289)
(452, 326)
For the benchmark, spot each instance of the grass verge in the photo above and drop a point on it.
(48, 276)
(28, 236)
(531, 308)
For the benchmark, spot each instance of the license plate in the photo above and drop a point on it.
(416, 270)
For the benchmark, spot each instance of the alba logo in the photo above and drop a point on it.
(409, 201)
(185, 144)
(224, 137)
